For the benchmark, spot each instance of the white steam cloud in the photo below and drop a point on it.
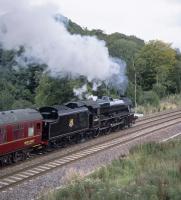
(80, 92)
(47, 41)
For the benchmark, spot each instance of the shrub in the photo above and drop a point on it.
(160, 90)
(151, 98)
(19, 104)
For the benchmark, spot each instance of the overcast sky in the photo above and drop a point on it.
(147, 19)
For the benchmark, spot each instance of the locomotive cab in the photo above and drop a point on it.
(94, 111)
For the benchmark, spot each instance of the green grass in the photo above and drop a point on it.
(167, 103)
(151, 172)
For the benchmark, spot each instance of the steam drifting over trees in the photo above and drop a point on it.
(43, 63)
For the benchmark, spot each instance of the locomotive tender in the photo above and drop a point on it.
(23, 130)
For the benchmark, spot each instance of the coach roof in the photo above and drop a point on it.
(18, 116)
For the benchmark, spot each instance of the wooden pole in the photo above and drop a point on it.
(135, 86)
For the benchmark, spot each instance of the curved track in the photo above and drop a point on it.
(143, 128)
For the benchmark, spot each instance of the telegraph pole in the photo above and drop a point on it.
(135, 86)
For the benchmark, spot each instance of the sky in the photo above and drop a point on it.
(147, 19)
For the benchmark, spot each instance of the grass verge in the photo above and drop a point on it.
(167, 103)
(151, 172)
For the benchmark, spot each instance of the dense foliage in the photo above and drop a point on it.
(155, 67)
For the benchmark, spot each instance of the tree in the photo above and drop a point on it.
(54, 91)
(154, 63)
(7, 95)
(20, 104)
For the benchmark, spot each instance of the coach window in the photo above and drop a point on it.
(38, 128)
(3, 135)
(31, 130)
(18, 131)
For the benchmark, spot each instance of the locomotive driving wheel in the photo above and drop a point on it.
(108, 131)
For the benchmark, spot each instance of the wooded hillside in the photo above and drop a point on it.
(156, 64)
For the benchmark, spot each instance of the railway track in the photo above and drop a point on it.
(163, 113)
(42, 158)
(140, 122)
(144, 128)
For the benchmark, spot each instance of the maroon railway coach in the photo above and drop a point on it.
(20, 131)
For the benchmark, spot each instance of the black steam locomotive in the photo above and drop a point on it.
(24, 130)
(78, 120)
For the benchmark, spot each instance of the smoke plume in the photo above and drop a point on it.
(44, 36)
(80, 92)
(119, 81)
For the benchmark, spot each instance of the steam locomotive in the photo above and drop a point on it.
(24, 130)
